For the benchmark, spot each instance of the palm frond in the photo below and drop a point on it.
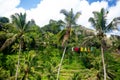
(15, 21)
(26, 26)
(76, 16)
(61, 34)
(64, 12)
(87, 40)
(111, 26)
(93, 22)
(96, 14)
(19, 21)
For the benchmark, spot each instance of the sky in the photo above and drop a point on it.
(28, 4)
(44, 10)
(110, 2)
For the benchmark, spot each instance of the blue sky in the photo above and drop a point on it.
(110, 2)
(28, 4)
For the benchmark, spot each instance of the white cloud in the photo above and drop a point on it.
(9, 7)
(87, 10)
(114, 11)
(50, 9)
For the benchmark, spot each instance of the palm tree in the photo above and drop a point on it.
(19, 21)
(70, 20)
(100, 25)
(30, 66)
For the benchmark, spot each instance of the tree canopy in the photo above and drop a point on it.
(60, 49)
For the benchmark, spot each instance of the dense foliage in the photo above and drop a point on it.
(30, 52)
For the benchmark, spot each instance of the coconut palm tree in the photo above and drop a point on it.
(70, 21)
(99, 23)
(22, 26)
(30, 66)
(64, 35)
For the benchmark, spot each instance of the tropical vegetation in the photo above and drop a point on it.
(59, 50)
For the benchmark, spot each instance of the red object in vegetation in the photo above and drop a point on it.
(76, 49)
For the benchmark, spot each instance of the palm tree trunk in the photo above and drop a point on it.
(16, 76)
(9, 41)
(103, 62)
(61, 63)
(66, 36)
